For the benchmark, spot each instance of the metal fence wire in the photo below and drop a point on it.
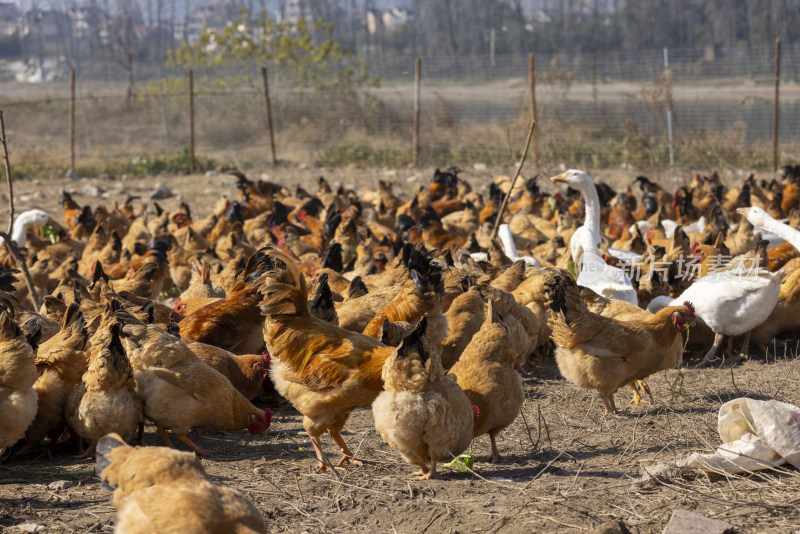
(595, 111)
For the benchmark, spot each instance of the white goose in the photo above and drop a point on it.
(764, 223)
(593, 272)
(23, 221)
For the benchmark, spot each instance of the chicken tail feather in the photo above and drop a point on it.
(283, 286)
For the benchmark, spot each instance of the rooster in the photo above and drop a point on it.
(325, 371)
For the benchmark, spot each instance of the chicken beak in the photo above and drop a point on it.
(265, 432)
(559, 178)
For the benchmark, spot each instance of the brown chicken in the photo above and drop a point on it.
(325, 371)
(60, 361)
(602, 353)
(485, 371)
(234, 322)
(18, 399)
(464, 318)
(421, 414)
(157, 489)
(421, 294)
(179, 391)
(105, 399)
(245, 371)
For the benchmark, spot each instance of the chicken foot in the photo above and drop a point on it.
(709, 357)
(744, 353)
(635, 386)
(89, 452)
(347, 456)
(323, 464)
(431, 472)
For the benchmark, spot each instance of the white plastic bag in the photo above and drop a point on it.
(755, 435)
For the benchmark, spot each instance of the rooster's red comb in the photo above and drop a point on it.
(691, 308)
(476, 410)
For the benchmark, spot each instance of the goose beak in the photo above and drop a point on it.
(743, 211)
(559, 178)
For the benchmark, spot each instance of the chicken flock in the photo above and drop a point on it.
(338, 299)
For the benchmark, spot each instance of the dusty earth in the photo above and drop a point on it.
(568, 467)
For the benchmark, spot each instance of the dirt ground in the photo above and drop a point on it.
(568, 467)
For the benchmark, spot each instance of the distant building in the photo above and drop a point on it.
(10, 18)
(293, 11)
(47, 25)
(378, 20)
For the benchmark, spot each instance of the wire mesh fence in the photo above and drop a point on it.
(593, 111)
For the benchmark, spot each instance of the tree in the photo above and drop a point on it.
(304, 52)
(123, 46)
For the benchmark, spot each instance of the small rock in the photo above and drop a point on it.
(611, 527)
(92, 191)
(265, 176)
(389, 172)
(161, 192)
(259, 471)
(30, 527)
(686, 522)
(479, 166)
(60, 485)
(72, 175)
(413, 178)
(487, 504)
(209, 174)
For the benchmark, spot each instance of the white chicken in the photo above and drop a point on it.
(731, 303)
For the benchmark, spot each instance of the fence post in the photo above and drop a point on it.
(191, 121)
(417, 75)
(72, 121)
(775, 115)
(668, 81)
(532, 83)
(269, 115)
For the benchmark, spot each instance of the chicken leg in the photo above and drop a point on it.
(199, 450)
(431, 472)
(743, 354)
(709, 357)
(608, 402)
(347, 456)
(495, 453)
(323, 464)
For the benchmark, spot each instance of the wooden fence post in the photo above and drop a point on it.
(775, 115)
(532, 83)
(269, 115)
(191, 121)
(417, 75)
(72, 120)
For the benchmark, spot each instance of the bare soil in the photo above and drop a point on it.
(568, 467)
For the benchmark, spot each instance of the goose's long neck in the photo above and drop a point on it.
(18, 233)
(782, 230)
(592, 203)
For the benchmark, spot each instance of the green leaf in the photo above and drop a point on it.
(571, 270)
(463, 463)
